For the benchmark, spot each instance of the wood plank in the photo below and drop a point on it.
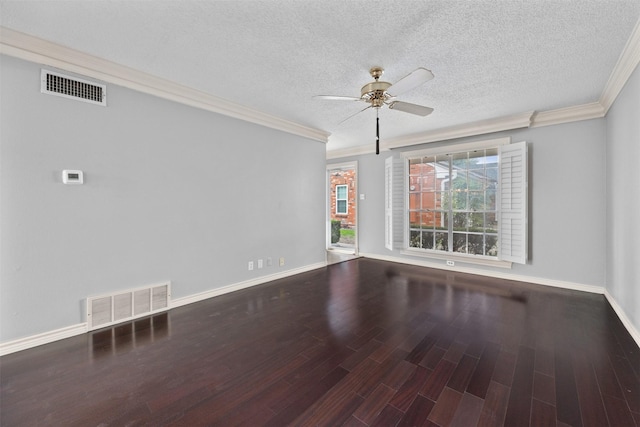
(409, 390)
(544, 388)
(479, 382)
(589, 397)
(389, 417)
(505, 367)
(432, 358)
(374, 404)
(543, 414)
(437, 380)
(445, 407)
(567, 405)
(468, 412)
(495, 405)
(618, 412)
(418, 412)
(519, 407)
(462, 374)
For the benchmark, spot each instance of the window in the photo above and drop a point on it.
(452, 202)
(342, 199)
(467, 200)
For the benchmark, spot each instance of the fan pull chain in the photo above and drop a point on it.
(377, 133)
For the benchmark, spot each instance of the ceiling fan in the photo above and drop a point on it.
(379, 93)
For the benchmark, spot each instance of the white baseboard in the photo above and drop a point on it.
(243, 285)
(43, 338)
(623, 317)
(489, 273)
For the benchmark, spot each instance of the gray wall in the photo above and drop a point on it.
(623, 199)
(171, 193)
(566, 203)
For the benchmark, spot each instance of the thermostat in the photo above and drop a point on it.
(72, 177)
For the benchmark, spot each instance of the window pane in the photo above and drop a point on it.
(459, 161)
(427, 239)
(491, 245)
(429, 200)
(490, 200)
(428, 220)
(460, 243)
(459, 200)
(491, 223)
(414, 239)
(442, 166)
(491, 175)
(414, 201)
(460, 181)
(476, 222)
(460, 221)
(442, 200)
(414, 166)
(491, 159)
(414, 183)
(476, 200)
(414, 219)
(342, 206)
(341, 191)
(441, 242)
(428, 182)
(476, 246)
(476, 159)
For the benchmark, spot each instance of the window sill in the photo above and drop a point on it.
(468, 259)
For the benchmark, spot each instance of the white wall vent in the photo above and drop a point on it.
(58, 84)
(107, 310)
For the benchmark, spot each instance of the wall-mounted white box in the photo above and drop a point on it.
(72, 177)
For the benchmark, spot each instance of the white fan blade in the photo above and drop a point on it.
(366, 108)
(414, 79)
(419, 110)
(338, 98)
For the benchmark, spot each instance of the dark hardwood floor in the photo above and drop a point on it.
(360, 343)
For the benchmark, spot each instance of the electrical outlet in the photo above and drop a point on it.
(259, 263)
(451, 263)
(250, 265)
(269, 262)
(281, 261)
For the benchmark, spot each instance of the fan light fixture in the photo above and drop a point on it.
(380, 93)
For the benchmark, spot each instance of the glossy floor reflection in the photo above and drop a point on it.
(359, 343)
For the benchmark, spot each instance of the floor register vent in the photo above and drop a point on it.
(107, 310)
(53, 83)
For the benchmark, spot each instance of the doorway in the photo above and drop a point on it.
(342, 211)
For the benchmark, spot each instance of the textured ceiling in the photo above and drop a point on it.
(491, 58)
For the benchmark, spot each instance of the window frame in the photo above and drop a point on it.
(497, 261)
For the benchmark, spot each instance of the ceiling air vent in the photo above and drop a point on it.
(71, 87)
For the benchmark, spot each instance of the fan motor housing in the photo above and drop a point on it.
(375, 92)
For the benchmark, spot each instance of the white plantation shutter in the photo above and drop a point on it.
(393, 203)
(513, 225)
(388, 203)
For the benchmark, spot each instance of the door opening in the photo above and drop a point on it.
(342, 213)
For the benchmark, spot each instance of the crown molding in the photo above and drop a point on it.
(627, 62)
(593, 110)
(481, 127)
(33, 49)
(353, 151)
